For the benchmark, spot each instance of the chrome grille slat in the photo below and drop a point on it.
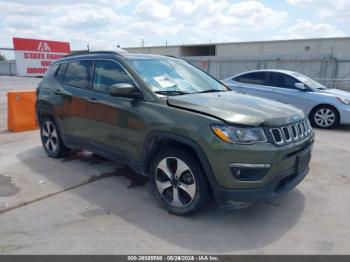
(309, 128)
(279, 140)
(305, 128)
(287, 133)
(291, 133)
(294, 132)
(300, 130)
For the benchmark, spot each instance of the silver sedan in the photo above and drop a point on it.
(325, 107)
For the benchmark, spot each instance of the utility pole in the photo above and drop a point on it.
(143, 42)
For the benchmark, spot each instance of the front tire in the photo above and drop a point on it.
(51, 139)
(325, 117)
(178, 182)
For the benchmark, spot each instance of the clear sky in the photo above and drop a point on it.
(106, 23)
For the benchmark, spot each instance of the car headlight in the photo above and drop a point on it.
(240, 135)
(344, 100)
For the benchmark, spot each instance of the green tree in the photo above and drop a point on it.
(2, 57)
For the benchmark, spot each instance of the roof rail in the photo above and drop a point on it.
(171, 56)
(87, 52)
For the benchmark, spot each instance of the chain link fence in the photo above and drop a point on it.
(8, 68)
(8, 83)
(330, 71)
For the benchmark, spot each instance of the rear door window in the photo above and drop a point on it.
(257, 78)
(78, 74)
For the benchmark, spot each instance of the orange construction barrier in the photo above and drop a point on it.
(21, 110)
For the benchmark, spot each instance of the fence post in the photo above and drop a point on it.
(335, 64)
(320, 74)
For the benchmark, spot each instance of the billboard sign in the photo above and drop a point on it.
(34, 56)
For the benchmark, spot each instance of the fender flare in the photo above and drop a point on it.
(183, 140)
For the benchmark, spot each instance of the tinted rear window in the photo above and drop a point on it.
(257, 78)
(78, 74)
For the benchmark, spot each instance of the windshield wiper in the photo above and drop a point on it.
(171, 92)
(212, 91)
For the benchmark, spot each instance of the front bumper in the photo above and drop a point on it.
(282, 184)
(283, 175)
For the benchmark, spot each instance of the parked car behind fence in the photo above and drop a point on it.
(325, 107)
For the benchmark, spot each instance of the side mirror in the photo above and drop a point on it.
(125, 90)
(300, 86)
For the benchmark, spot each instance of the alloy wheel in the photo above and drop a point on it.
(49, 136)
(324, 117)
(175, 182)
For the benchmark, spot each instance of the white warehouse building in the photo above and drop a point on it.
(298, 47)
(327, 60)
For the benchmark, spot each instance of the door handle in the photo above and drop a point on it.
(57, 92)
(92, 100)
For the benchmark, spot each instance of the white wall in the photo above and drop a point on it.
(295, 47)
(167, 50)
(317, 47)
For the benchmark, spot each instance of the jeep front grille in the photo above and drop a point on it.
(291, 133)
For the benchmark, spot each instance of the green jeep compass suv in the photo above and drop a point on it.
(175, 124)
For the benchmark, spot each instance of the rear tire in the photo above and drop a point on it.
(325, 117)
(51, 138)
(178, 182)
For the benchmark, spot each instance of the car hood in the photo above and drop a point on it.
(337, 92)
(238, 108)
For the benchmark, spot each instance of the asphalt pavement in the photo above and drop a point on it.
(84, 204)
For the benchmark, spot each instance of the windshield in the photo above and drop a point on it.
(308, 81)
(175, 77)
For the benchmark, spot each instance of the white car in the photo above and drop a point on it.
(325, 107)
